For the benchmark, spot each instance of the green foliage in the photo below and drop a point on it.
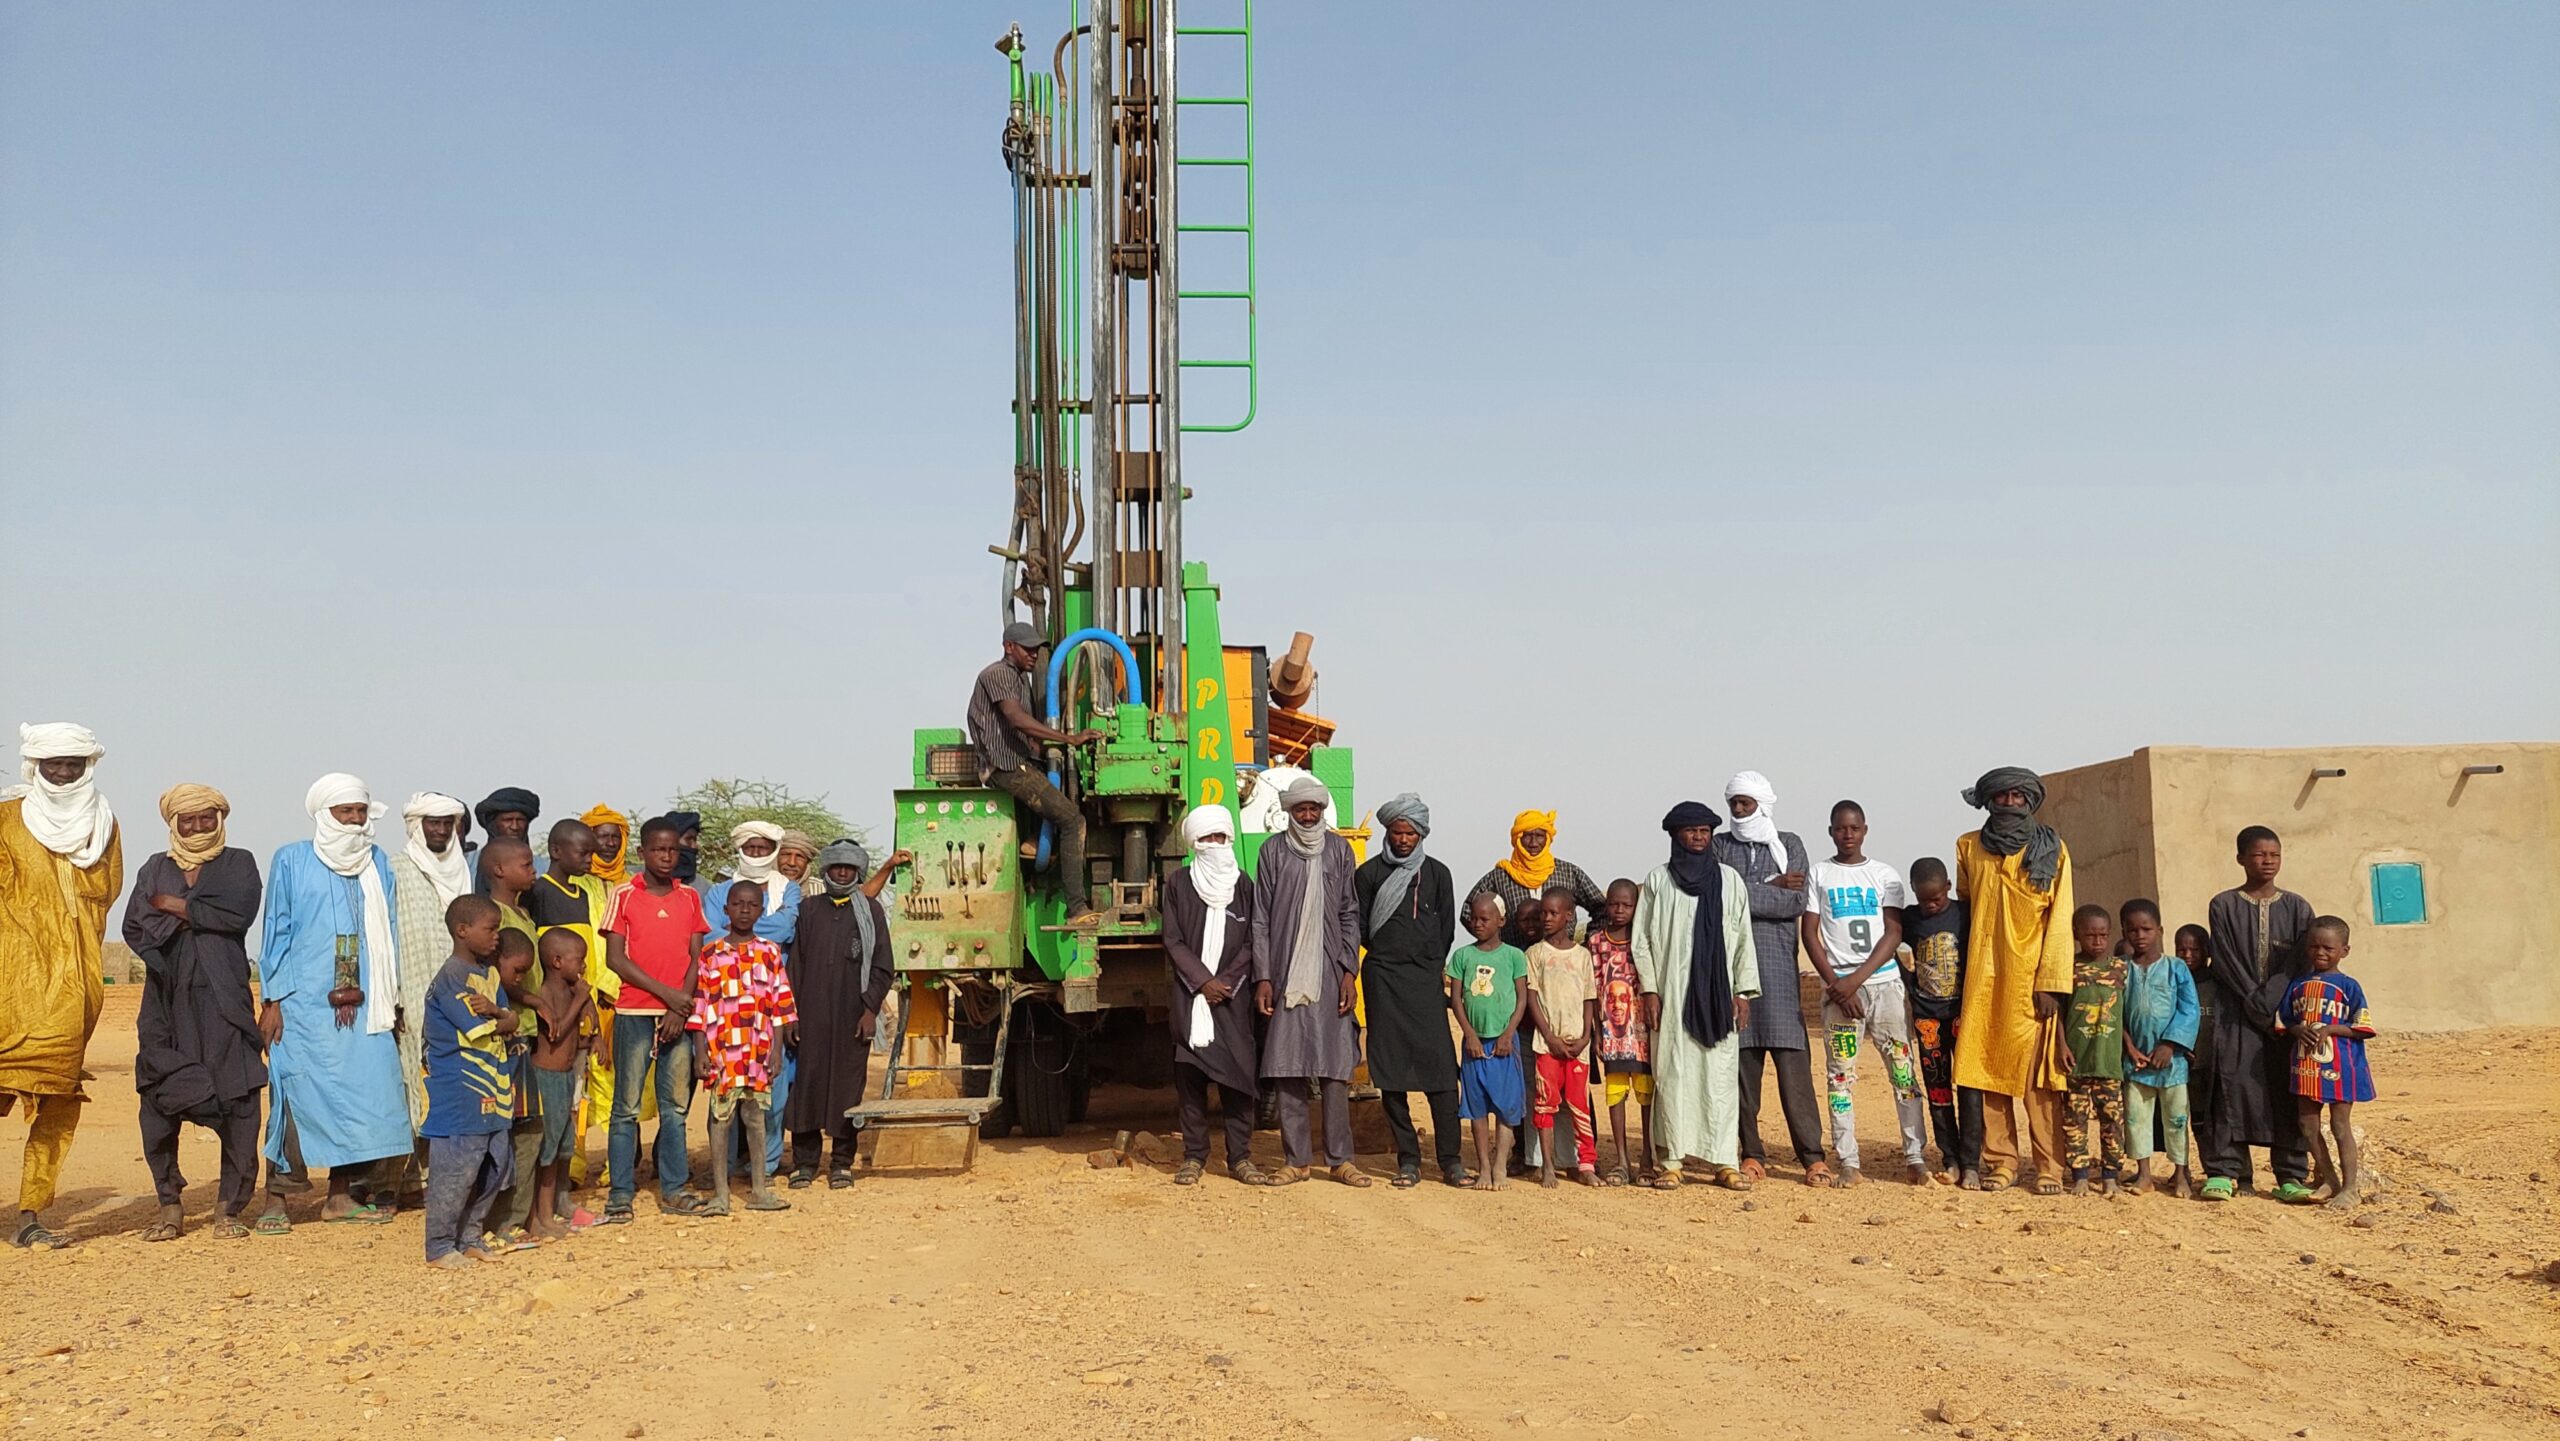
(724, 803)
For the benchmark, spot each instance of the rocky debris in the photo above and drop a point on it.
(1956, 1411)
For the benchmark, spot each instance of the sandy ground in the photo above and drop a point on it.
(1040, 1296)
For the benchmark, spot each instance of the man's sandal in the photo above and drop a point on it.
(1285, 1176)
(1731, 1179)
(2294, 1193)
(1669, 1180)
(163, 1231)
(1819, 1173)
(1407, 1177)
(1246, 1173)
(2219, 1188)
(2047, 1185)
(1350, 1175)
(1188, 1173)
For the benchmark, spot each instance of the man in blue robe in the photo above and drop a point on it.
(329, 991)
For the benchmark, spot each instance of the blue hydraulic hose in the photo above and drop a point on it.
(1057, 666)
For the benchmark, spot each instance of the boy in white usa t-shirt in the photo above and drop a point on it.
(1851, 931)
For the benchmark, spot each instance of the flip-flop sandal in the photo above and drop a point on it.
(361, 1216)
(1407, 1177)
(2294, 1193)
(2218, 1188)
(273, 1223)
(2047, 1186)
(228, 1229)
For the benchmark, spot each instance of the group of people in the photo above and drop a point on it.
(446, 1023)
(1980, 988)
(443, 1024)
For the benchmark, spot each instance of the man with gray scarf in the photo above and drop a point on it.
(1306, 953)
(840, 975)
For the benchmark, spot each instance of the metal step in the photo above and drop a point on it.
(924, 1111)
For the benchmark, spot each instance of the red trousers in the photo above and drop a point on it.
(1566, 1085)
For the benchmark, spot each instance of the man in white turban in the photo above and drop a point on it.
(426, 876)
(1772, 865)
(61, 868)
(328, 991)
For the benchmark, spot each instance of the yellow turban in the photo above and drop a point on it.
(186, 800)
(1528, 870)
(613, 869)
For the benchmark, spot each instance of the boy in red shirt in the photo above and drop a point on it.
(653, 941)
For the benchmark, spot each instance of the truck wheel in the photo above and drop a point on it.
(1038, 1076)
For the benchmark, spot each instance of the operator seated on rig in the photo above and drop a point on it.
(1008, 737)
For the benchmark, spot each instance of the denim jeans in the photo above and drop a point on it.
(635, 1052)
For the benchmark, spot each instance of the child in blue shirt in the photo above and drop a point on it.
(470, 1080)
(2160, 1020)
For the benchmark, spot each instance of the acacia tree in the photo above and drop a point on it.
(724, 803)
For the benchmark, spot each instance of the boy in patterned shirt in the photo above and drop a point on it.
(470, 1088)
(2093, 1035)
(2324, 1012)
(1625, 1047)
(743, 1014)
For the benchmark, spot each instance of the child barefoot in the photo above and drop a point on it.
(2159, 1032)
(1625, 1047)
(1489, 991)
(2093, 1033)
(2325, 1014)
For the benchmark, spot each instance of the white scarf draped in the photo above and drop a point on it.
(1213, 875)
(349, 851)
(1760, 827)
(449, 871)
(72, 821)
(765, 870)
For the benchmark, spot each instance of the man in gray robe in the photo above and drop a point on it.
(1773, 867)
(1306, 953)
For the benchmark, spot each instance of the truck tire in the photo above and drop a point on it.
(1039, 1074)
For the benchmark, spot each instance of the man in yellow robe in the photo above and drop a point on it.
(61, 868)
(2015, 874)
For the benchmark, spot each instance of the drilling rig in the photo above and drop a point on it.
(1011, 1016)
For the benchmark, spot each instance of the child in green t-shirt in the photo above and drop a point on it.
(1488, 990)
(2093, 1032)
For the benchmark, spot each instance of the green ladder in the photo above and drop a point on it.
(1251, 363)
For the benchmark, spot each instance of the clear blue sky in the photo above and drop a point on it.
(599, 398)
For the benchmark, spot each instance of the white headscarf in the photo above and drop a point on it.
(1760, 827)
(72, 821)
(1213, 874)
(765, 870)
(348, 851)
(448, 871)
